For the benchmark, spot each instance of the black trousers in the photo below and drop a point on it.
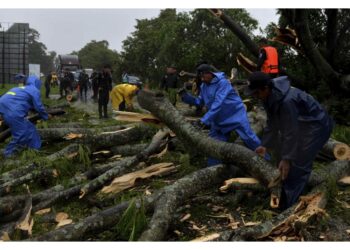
(103, 99)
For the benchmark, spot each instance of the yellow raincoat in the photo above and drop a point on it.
(122, 92)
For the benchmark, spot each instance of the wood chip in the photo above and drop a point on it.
(55, 173)
(27, 223)
(43, 211)
(127, 181)
(178, 232)
(345, 180)
(64, 222)
(72, 155)
(186, 217)
(348, 231)
(251, 223)
(61, 216)
(72, 136)
(147, 192)
(5, 237)
(115, 157)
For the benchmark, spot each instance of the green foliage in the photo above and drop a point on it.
(84, 155)
(182, 39)
(332, 189)
(341, 133)
(133, 221)
(96, 54)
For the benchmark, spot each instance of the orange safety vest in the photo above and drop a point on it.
(270, 65)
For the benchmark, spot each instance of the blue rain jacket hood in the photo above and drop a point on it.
(33, 81)
(225, 108)
(18, 101)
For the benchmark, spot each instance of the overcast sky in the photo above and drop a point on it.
(65, 30)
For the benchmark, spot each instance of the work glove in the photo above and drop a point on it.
(181, 92)
(199, 125)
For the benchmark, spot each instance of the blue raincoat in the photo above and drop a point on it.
(14, 107)
(226, 112)
(297, 128)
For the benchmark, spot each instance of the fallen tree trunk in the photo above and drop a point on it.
(109, 175)
(173, 196)
(108, 218)
(242, 157)
(7, 132)
(128, 150)
(296, 217)
(336, 150)
(32, 171)
(103, 139)
(95, 223)
(23, 223)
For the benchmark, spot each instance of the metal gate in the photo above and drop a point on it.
(13, 50)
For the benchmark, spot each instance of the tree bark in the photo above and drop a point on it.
(129, 149)
(95, 223)
(323, 68)
(109, 217)
(297, 216)
(331, 41)
(12, 177)
(174, 195)
(335, 150)
(238, 31)
(242, 157)
(123, 165)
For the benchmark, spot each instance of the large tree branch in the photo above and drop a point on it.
(229, 152)
(331, 42)
(238, 31)
(311, 51)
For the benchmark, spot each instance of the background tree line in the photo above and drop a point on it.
(185, 38)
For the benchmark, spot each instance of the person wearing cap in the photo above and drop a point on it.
(20, 79)
(297, 128)
(104, 84)
(122, 94)
(14, 107)
(226, 111)
(170, 82)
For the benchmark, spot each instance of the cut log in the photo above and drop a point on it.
(174, 195)
(242, 157)
(126, 181)
(336, 150)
